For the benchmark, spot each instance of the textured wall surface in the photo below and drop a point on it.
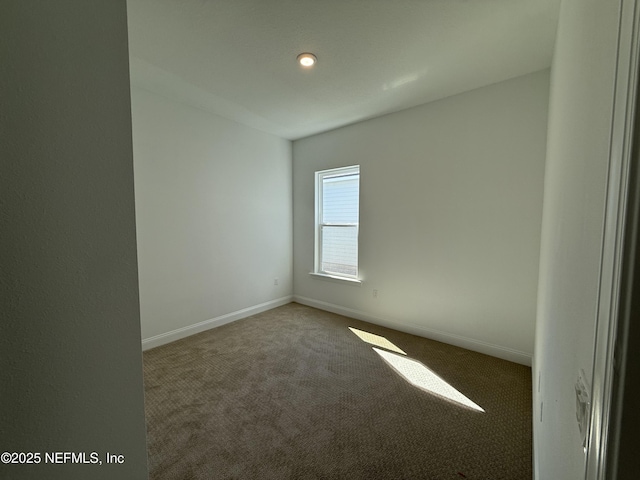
(213, 213)
(71, 373)
(580, 112)
(450, 212)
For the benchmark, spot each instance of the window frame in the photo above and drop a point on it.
(319, 224)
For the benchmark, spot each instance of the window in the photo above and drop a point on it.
(337, 213)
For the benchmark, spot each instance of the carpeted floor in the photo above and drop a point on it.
(293, 393)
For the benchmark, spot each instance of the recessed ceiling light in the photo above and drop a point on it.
(307, 59)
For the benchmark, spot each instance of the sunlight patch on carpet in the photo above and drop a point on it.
(377, 340)
(417, 374)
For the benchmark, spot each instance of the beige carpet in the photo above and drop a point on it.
(293, 393)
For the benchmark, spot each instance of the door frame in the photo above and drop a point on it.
(610, 350)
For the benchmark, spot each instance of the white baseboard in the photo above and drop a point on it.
(498, 351)
(189, 330)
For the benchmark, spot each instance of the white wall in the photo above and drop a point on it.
(70, 360)
(213, 211)
(451, 203)
(580, 112)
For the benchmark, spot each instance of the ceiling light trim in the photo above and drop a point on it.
(307, 60)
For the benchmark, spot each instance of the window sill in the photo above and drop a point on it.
(335, 278)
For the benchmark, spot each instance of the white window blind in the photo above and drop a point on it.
(337, 214)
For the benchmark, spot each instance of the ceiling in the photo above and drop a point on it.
(236, 58)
